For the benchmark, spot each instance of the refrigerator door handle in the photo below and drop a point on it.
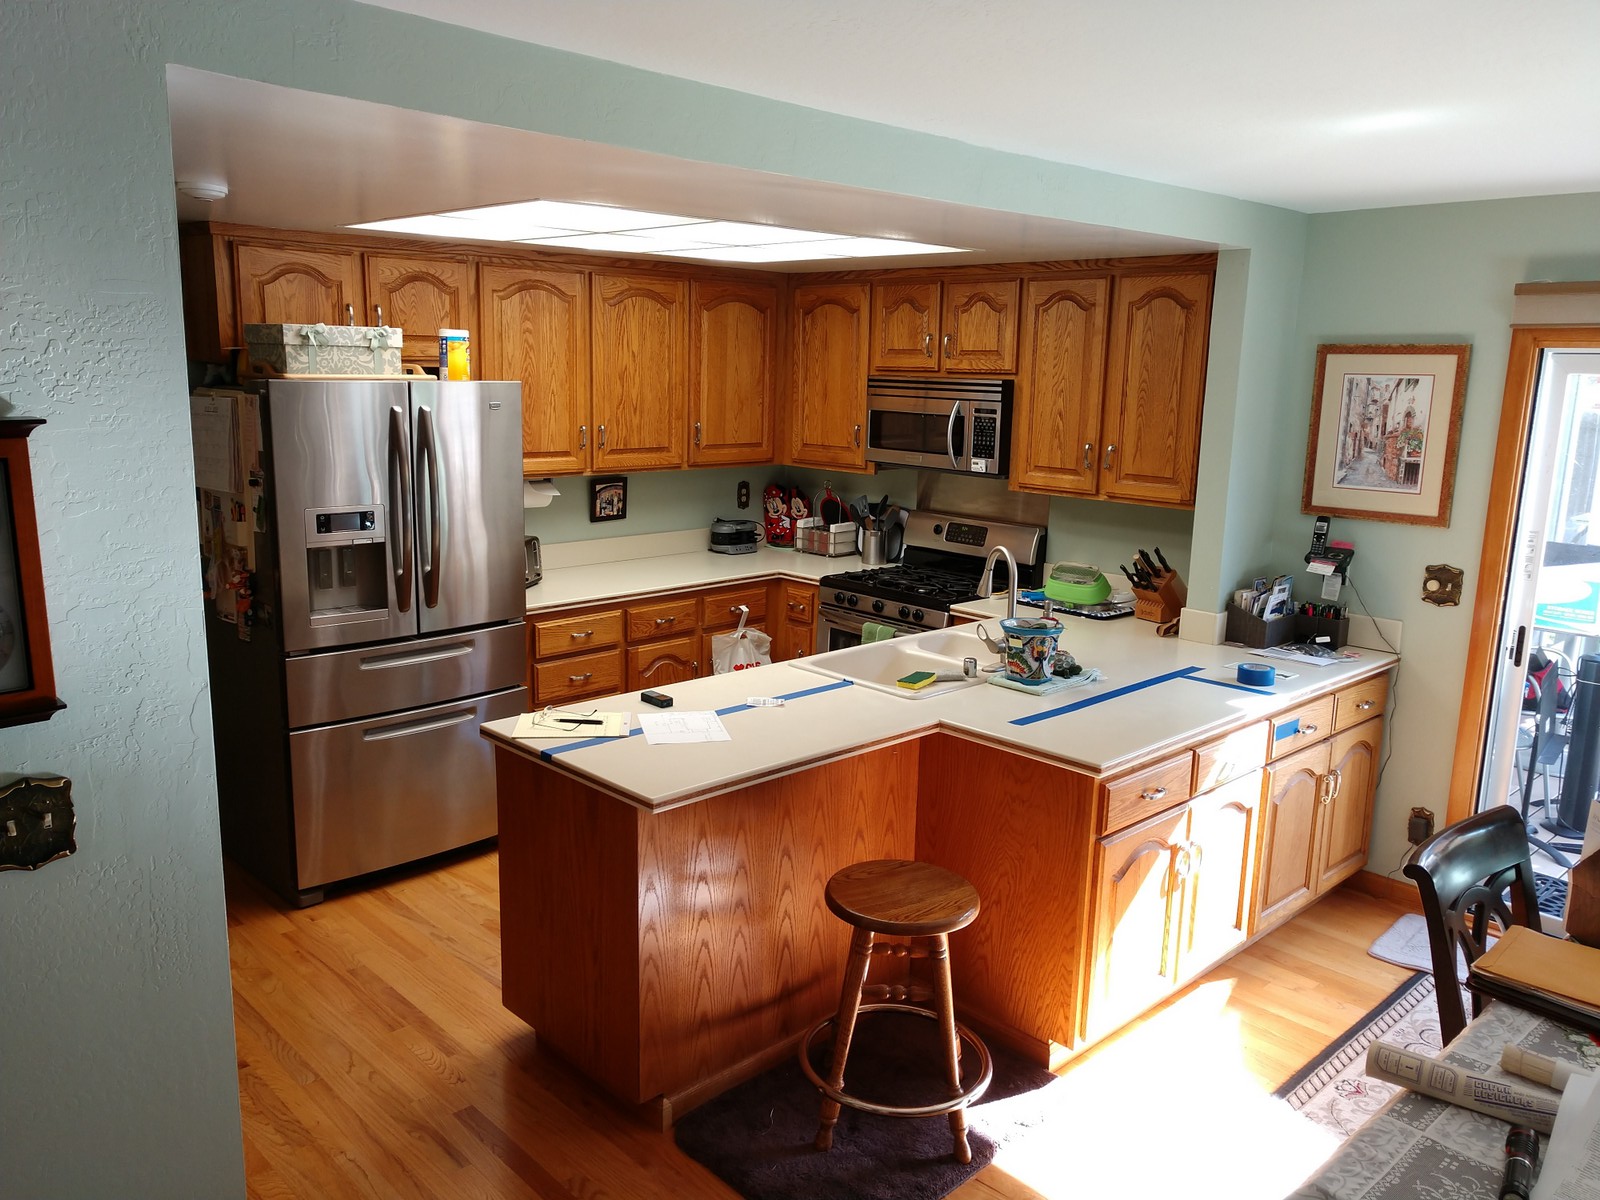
(428, 448)
(400, 464)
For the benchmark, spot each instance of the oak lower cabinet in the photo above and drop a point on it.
(641, 395)
(1317, 819)
(663, 642)
(794, 633)
(828, 341)
(733, 349)
(575, 656)
(720, 613)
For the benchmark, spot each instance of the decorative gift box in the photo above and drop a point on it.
(325, 349)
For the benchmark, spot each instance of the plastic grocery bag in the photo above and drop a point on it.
(741, 649)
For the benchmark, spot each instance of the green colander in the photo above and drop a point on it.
(1077, 583)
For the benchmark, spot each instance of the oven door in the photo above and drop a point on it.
(839, 628)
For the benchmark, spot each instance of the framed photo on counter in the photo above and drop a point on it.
(1385, 431)
(608, 498)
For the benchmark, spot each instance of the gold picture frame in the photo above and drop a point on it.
(1385, 432)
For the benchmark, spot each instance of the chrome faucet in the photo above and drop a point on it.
(986, 587)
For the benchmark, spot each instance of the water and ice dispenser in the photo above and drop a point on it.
(347, 570)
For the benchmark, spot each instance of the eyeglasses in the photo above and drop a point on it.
(551, 715)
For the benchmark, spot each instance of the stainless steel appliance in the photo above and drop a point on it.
(734, 536)
(387, 627)
(940, 424)
(942, 566)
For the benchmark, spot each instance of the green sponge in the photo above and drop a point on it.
(915, 680)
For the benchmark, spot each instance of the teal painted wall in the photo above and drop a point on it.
(1437, 273)
(119, 1072)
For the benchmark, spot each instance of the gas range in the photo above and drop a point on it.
(942, 566)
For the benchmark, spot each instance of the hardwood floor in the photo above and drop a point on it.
(375, 1059)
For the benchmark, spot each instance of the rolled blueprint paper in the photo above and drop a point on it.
(1538, 1067)
(1431, 1077)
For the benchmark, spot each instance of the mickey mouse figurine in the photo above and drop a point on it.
(779, 526)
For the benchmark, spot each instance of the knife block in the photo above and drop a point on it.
(1163, 604)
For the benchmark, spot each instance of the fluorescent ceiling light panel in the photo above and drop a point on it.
(868, 247)
(788, 252)
(744, 233)
(444, 226)
(640, 242)
(581, 218)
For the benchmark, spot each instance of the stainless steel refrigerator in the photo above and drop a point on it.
(385, 626)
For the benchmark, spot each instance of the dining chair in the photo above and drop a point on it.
(1468, 874)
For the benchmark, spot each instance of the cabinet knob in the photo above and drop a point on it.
(1110, 450)
(1088, 456)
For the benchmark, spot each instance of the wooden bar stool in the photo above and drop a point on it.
(904, 899)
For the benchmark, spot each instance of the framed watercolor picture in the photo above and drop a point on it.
(608, 498)
(1385, 430)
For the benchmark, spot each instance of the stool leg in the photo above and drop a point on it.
(844, 1028)
(944, 1001)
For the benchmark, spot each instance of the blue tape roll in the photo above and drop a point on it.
(1257, 674)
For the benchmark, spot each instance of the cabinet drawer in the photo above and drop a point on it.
(1301, 726)
(1230, 757)
(1360, 701)
(663, 619)
(572, 635)
(799, 603)
(722, 606)
(1147, 792)
(577, 676)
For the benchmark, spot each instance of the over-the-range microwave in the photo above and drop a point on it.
(940, 424)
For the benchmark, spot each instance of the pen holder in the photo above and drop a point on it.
(1250, 630)
(1165, 602)
(1314, 629)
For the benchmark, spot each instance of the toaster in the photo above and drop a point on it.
(734, 537)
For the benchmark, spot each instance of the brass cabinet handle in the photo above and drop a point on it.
(349, 314)
(927, 345)
(602, 437)
(858, 436)
(947, 345)
(665, 620)
(1110, 450)
(1305, 731)
(1364, 705)
(379, 307)
(1336, 784)
(583, 437)
(584, 678)
(697, 433)
(1153, 793)
(1088, 456)
(584, 634)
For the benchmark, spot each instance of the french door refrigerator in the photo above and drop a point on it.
(387, 627)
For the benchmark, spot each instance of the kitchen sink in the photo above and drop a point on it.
(879, 665)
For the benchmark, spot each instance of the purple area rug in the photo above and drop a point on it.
(758, 1136)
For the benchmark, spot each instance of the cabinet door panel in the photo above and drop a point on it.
(1155, 385)
(657, 663)
(732, 349)
(1055, 445)
(1347, 815)
(905, 326)
(534, 327)
(420, 296)
(1288, 837)
(1136, 934)
(830, 375)
(296, 285)
(1223, 830)
(640, 386)
(980, 326)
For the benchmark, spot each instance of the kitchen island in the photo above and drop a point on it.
(663, 919)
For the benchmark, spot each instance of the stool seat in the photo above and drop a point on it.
(925, 903)
(907, 899)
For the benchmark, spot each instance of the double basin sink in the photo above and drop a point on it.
(880, 665)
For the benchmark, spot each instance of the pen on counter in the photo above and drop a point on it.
(1522, 1156)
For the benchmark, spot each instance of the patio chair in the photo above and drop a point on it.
(1546, 741)
(1464, 873)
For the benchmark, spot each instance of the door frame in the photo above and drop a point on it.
(1528, 345)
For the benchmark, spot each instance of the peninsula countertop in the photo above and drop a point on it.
(1156, 695)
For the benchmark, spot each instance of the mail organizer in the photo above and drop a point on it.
(1257, 632)
(1336, 630)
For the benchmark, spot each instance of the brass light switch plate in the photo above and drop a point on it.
(1441, 584)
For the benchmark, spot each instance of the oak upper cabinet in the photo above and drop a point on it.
(420, 296)
(640, 339)
(282, 284)
(829, 346)
(733, 332)
(1060, 384)
(1155, 384)
(534, 327)
(957, 326)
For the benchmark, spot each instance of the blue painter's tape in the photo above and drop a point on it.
(1288, 729)
(1091, 701)
(1238, 687)
(549, 752)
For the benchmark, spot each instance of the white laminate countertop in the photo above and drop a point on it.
(1157, 694)
(631, 578)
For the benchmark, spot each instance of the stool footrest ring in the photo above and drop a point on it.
(972, 1092)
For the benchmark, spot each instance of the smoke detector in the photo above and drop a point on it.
(201, 189)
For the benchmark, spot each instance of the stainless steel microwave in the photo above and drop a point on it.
(940, 424)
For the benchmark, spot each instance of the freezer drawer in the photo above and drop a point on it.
(376, 793)
(344, 684)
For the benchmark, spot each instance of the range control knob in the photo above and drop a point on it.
(877, 606)
(904, 612)
(917, 615)
(838, 597)
(852, 600)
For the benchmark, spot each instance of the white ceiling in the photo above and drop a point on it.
(1359, 104)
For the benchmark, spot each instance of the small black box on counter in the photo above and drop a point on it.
(1256, 632)
(1314, 629)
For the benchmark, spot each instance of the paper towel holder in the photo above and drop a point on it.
(537, 493)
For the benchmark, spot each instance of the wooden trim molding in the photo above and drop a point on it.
(1528, 345)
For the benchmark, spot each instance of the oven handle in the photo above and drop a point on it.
(950, 434)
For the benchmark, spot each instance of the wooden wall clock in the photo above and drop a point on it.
(27, 677)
